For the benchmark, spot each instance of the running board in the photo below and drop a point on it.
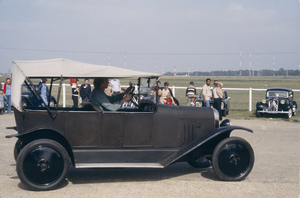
(118, 165)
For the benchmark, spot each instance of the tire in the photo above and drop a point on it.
(224, 113)
(52, 103)
(43, 164)
(289, 115)
(24, 103)
(258, 114)
(197, 163)
(294, 113)
(233, 159)
(18, 146)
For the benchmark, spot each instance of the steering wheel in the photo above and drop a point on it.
(133, 99)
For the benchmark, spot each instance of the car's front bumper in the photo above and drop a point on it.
(271, 112)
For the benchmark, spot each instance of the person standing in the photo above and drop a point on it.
(206, 93)
(1, 101)
(75, 91)
(164, 93)
(43, 90)
(85, 90)
(108, 90)
(115, 86)
(217, 95)
(7, 95)
(190, 93)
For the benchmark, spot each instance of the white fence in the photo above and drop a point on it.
(174, 92)
(235, 89)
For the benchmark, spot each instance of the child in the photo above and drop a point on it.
(169, 100)
(1, 101)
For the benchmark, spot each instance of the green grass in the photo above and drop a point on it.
(239, 102)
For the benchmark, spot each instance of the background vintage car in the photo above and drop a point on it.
(278, 101)
(28, 99)
(225, 104)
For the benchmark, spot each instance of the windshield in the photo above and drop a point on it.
(148, 89)
(276, 94)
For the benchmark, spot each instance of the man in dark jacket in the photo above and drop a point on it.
(85, 90)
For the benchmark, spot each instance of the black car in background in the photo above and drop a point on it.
(278, 101)
(28, 99)
(225, 104)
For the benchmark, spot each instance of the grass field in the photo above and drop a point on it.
(239, 102)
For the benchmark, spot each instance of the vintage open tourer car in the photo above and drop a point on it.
(152, 135)
(225, 104)
(278, 101)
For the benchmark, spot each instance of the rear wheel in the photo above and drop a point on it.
(233, 159)
(43, 164)
(52, 103)
(18, 146)
(24, 103)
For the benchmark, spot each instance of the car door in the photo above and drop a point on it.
(126, 129)
(138, 129)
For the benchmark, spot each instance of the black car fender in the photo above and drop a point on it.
(207, 143)
(44, 133)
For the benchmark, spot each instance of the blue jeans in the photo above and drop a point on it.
(8, 103)
(207, 104)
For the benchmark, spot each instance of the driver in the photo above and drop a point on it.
(108, 103)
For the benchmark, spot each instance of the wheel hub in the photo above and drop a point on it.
(234, 159)
(44, 165)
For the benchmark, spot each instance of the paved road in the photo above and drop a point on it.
(275, 173)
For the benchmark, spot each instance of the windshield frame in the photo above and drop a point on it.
(279, 92)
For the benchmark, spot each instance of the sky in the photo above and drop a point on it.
(153, 36)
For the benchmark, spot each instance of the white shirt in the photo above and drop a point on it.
(216, 95)
(115, 85)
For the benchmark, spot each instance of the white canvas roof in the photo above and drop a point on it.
(65, 68)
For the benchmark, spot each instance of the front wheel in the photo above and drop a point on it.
(294, 110)
(233, 159)
(257, 114)
(289, 114)
(43, 164)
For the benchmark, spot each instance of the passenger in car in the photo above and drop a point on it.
(108, 103)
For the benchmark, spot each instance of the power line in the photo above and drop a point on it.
(145, 53)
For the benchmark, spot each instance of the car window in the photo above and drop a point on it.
(273, 94)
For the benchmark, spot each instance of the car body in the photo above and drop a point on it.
(278, 101)
(28, 98)
(225, 103)
(152, 135)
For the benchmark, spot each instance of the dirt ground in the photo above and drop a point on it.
(275, 173)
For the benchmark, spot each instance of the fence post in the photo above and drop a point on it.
(250, 99)
(173, 91)
(64, 94)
